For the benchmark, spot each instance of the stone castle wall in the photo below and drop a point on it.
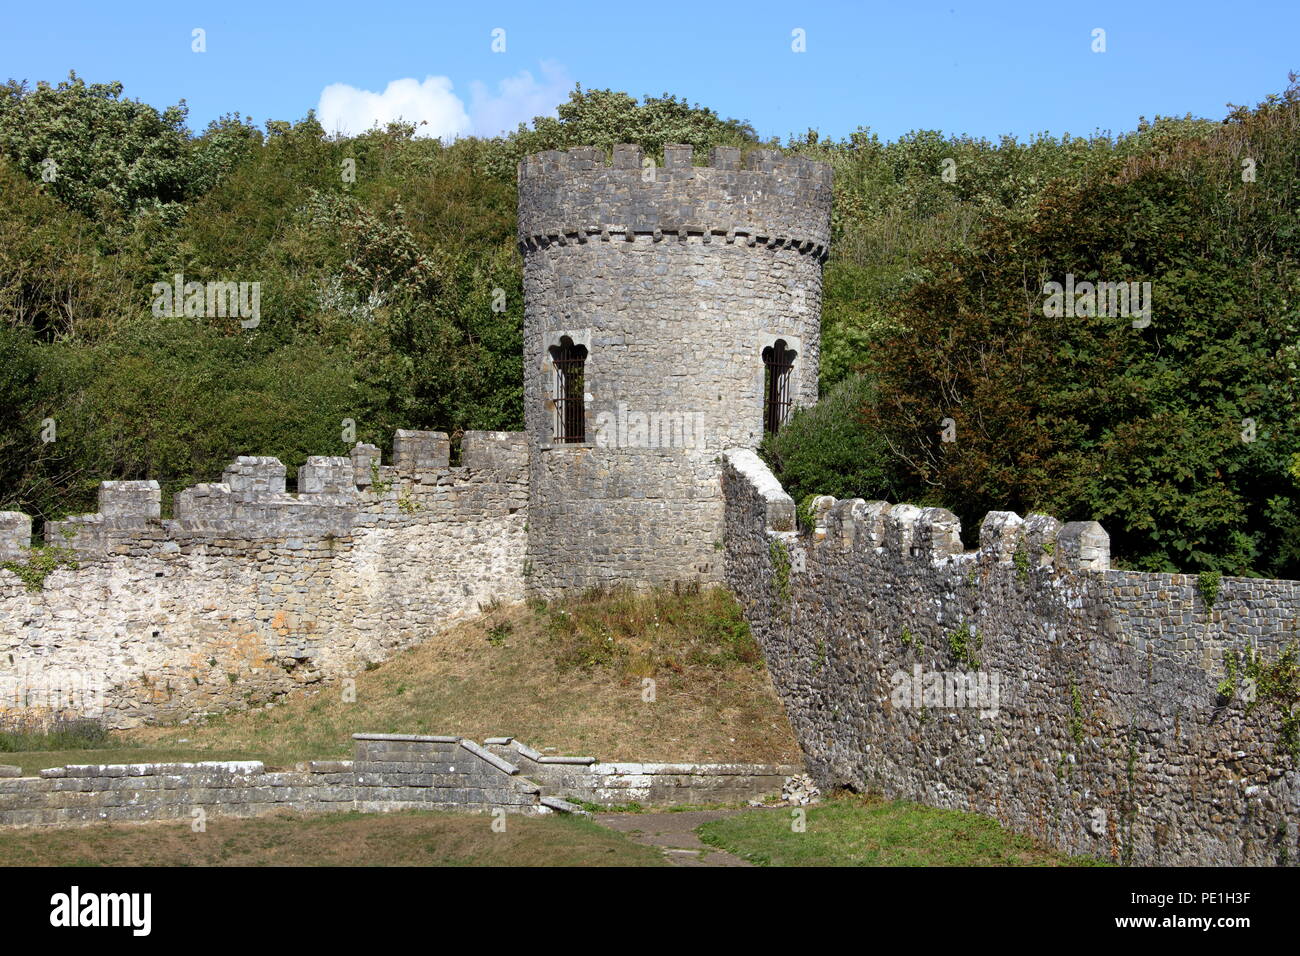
(250, 592)
(674, 279)
(389, 772)
(1105, 732)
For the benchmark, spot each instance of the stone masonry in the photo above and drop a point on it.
(1026, 680)
(249, 591)
(389, 772)
(674, 280)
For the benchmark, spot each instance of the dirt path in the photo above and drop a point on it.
(674, 833)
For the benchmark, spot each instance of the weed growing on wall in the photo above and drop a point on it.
(964, 644)
(1076, 715)
(1128, 808)
(1258, 682)
(804, 515)
(1021, 560)
(1227, 688)
(1207, 585)
(42, 561)
(378, 486)
(1277, 684)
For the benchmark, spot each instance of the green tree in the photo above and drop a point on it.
(1089, 417)
(604, 118)
(828, 450)
(99, 153)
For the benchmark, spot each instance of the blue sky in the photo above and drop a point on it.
(981, 68)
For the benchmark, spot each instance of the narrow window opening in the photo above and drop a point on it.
(570, 387)
(778, 361)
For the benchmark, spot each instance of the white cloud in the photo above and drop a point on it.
(431, 105)
(437, 111)
(518, 99)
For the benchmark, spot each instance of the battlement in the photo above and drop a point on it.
(764, 199)
(251, 500)
(1037, 541)
(926, 534)
(251, 588)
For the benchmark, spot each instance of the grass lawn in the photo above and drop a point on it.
(565, 675)
(413, 838)
(853, 830)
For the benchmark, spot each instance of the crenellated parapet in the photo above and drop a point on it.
(764, 198)
(911, 533)
(252, 588)
(251, 501)
(1038, 541)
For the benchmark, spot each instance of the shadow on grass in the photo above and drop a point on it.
(854, 830)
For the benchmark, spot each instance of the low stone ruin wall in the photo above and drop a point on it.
(649, 784)
(132, 792)
(389, 772)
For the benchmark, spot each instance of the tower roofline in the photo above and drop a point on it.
(763, 197)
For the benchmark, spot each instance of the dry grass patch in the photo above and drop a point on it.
(415, 838)
(566, 675)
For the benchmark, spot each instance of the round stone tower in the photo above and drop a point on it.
(671, 313)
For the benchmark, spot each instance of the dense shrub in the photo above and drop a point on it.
(828, 450)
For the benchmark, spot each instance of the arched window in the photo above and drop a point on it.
(570, 418)
(778, 361)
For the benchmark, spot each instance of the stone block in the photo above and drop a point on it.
(1040, 533)
(15, 535)
(628, 156)
(254, 476)
(365, 459)
(1000, 535)
(938, 534)
(322, 475)
(419, 451)
(130, 501)
(677, 156)
(1083, 546)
